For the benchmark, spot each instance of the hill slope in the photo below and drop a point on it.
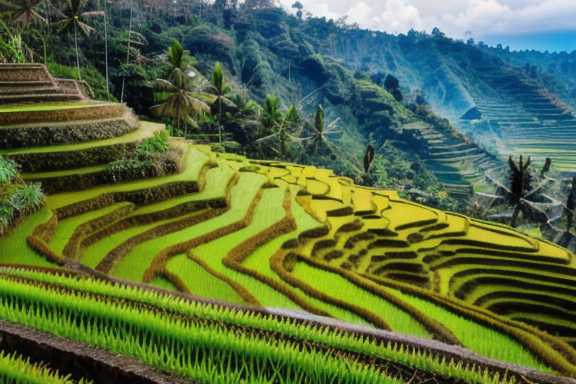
(274, 234)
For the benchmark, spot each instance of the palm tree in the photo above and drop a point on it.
(73, 18)
(282, 126)
(320, 131)
(23, 11)
(221, 90)
(520, 194)
(271, 114)
(25, 17)
(179, 95)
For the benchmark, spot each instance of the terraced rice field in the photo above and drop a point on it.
(520, 118)
(230, 269)
(457, 164)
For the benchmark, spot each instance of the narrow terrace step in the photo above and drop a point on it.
(80, 155)
(193, 161)
(24, 72)
(39, 98)
(48, 134)
(12, 115)
(7, 87)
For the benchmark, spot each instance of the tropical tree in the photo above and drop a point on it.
(243, 121)
(222, 91)
(181, 97)
(271, 114)
(522, 192)
(23, 11)
(19, 14)
(73, 18)
(285, 128)
(320, 131)
(11, 46)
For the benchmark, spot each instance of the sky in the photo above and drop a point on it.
(520, 24)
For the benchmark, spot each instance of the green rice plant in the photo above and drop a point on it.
(159, 340)
(479, 338)
(309, 331)
(268, 211)
(193, 159)
(15, 370)
(337, 286)
(201, 280)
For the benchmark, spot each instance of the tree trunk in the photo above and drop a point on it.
(77, 57)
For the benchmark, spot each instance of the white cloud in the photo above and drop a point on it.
(457, 18)
(360, 13)
(398, 17)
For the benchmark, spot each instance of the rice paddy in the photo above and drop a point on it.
(217, 243)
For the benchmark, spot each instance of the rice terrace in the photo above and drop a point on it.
(206, 267)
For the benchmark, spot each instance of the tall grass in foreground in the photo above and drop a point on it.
(203, 341)
(15, 370)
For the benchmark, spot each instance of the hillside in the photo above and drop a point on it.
(297, 240)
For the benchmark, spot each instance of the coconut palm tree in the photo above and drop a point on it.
(271, 114)
(179, 94)
(320, 132)
(221, 90)
(23, 11)
(73, 17)
(284, 127)
(523, 193)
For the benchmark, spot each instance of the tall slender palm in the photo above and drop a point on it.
(73, 17)
(221, 90)
(271, 114)
(320, 132)
(284, 127)
(179, 93)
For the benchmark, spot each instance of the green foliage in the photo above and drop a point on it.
(11, 49)
(92, 80)
(16, 370)
(27, 197)
(16, 198)
(176, 54)
(152, 158)
(210, 342)
(150, 147)
(8, 171)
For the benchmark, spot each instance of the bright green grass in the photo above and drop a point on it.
(50, 106)
(63, 173)
(15, 250)
(201, 282)
(134, 264)
(268, 212)
(193, 158)
(67, 227)
(217, 180)
(511, 282)
(146, 130)
(480, 339)
(485, 289)
(259, 261)
(94, 254)
(160, 282)
(339, 287)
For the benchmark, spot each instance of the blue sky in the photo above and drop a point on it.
(520, 24)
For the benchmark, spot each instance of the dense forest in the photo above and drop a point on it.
(420, 113)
